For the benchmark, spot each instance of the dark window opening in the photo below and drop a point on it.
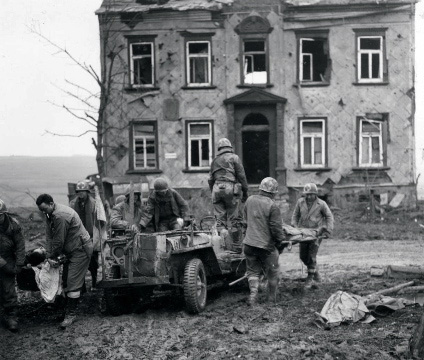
(314, 61)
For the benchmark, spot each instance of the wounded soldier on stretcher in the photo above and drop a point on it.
(297, 234)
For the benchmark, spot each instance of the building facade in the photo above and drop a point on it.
(307, 91)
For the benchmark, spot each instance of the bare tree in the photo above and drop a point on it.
(97, 106)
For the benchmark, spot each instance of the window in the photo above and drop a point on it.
(198, 63)
(142, 62)
(254, 52)
(371, 62)
(199, 144)
(312, 143)
(144, 146)
(254, 62)
(373, 140)
(314, 64)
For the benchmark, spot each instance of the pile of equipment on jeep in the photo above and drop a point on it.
(188, 261)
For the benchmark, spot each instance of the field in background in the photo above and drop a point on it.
(20, 175)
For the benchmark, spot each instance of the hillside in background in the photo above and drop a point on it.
(37, 175)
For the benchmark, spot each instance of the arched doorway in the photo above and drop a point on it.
(255, 147)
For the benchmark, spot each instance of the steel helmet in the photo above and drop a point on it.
(3, 207)
(269, 185)
(310, 188)
(82, 186)
(137, 189)
(224, 142)
(119, 199)
(160, 184)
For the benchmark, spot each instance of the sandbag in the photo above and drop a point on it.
(48, 281)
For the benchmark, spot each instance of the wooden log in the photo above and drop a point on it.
(412, 290)
(391, 290)
(416, 344)
(404, 272)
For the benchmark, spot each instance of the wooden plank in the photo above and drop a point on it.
(404, 272)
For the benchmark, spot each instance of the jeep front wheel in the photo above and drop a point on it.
(195, 287)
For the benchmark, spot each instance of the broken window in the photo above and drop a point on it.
(371, 63)
(313, 60)
(144, 146)
(141, 64)
(199, 144)
(312, 143)
(371, 143)
(314, 63)
(198, 63)
(254, 62)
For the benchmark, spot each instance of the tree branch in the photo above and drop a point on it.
(69, 135)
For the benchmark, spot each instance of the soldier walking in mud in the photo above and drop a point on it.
(311, 212)
(66, 235)
(165, 206)
(85, 206)
(262, 243)
(228, 184)
(12, 259)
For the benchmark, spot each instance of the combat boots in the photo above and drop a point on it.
(271, 295)
(236, 238)
(254, 288)
(11, 319)
(310, 278)
(317, 276)
(70, 313)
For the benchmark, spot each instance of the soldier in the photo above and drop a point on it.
(262, 243)
(85, 206)
(66, 235)
(12, 259)
(165, 206)
(228, 184)
(120, 216)
(311, 212)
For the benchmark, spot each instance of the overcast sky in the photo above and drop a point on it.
(33, 75)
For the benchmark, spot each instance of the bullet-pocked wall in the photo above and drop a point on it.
(337, 97)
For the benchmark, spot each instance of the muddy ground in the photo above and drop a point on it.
(228, 328)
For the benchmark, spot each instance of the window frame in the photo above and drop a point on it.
(201, 38)
(135, 40)
(383, 140)
(383, 62)
(188, 123)
(132, 157)
(250, 38)
(324, 144)
(311, 35)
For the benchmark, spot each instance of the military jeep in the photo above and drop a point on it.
(189, 262)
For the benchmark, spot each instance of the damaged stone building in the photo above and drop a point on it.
(307, 91)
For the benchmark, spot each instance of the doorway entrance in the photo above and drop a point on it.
(255, 147)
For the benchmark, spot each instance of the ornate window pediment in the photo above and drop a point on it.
(254, 24)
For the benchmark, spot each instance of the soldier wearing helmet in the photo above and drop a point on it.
(228, 184)
(85, 207)
(12, 259)
(311, 212)
(262, 243)
(166, 207)
(120, 216)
